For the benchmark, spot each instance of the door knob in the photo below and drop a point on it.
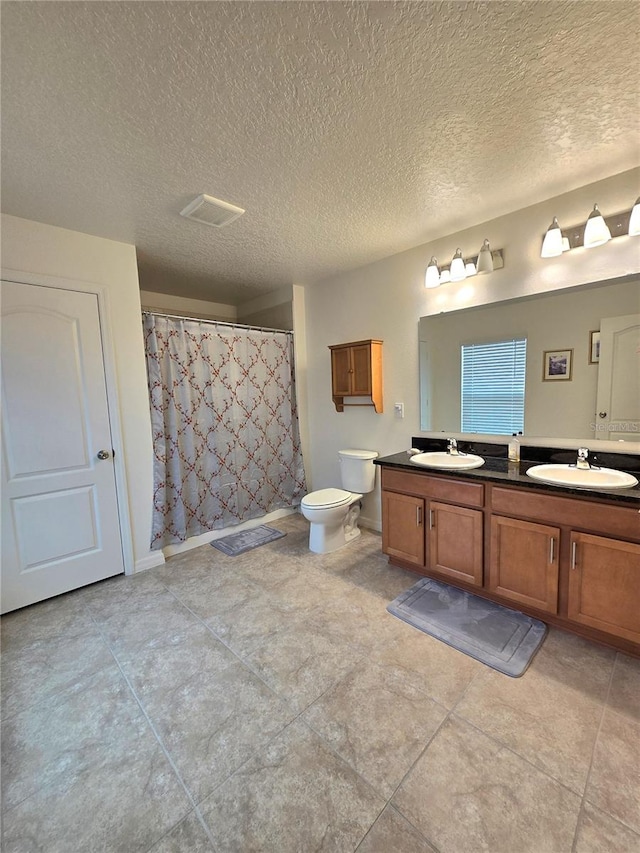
(602, 414)
(103, 454)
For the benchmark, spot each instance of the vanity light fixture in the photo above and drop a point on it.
(552, 243)
(487, 260)
(458, 267)
(634, 220)
(597, 231)
(432, 275)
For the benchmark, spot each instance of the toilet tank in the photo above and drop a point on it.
(357, 471)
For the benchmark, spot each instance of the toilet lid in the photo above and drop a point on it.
(327, 497)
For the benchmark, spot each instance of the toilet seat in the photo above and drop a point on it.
(326, 498)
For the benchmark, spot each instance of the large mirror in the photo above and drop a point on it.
(601, 399)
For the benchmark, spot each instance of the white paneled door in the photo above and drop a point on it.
(618, 395)
(60, 527)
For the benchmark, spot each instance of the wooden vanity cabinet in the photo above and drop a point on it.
(455, 542)
(604, 585)
(356, 371)
(451, 541)
(571, 561)
(524, 562)
(403, 527)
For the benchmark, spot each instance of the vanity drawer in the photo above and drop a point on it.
(428, 486)
(620, 521)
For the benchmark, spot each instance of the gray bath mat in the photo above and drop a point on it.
(245, 540)
(501, 638)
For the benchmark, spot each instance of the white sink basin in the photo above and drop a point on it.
(582, 478)
(447, 461)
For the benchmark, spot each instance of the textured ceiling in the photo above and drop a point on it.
(348, 131)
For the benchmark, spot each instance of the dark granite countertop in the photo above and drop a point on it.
(497, 469)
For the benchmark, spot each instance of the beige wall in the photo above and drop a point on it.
(385, 300)
(34, 248)
(273, 310)
(198, 308)
(278, 317)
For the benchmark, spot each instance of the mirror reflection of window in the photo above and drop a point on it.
(492, 387)
(561, 319)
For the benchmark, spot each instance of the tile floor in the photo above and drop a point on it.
(268, 703)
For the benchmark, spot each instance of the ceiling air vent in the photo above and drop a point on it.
(211, 211)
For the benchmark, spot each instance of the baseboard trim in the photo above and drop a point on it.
(149, 562)
(370, 524)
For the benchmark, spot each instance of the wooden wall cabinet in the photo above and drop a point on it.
(573, 562)
(356, 371)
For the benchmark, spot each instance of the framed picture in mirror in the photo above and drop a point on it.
(594, 347)
(557, 365)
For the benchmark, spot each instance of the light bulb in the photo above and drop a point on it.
(596, 231)
(552, 243)
(432, 275)
(458, 272)
(485, 259)
(634, 221)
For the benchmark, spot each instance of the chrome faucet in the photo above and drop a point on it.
(452, 447)
(583, 458)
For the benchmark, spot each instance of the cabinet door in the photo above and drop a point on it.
(455, 542)
(361, 370)
(403, 527)
(341, 372)
(604, 585)
(524, 562)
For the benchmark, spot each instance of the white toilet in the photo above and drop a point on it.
(333, 513)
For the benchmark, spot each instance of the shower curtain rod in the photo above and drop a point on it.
(219, 323)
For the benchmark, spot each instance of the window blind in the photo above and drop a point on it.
(492, 394)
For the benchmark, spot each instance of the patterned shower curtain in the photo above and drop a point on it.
(225, 425)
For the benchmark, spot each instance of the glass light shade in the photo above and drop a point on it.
(458, 271)
(445, 276)
(596, 231)
(432, 275)
(634, 222)
(470, 268)
(485, 259)
(565, 244)
(552, 243)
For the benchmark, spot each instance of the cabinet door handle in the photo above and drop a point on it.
(431, 520)
(574, 555)
(418, 516)
(552, 549)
